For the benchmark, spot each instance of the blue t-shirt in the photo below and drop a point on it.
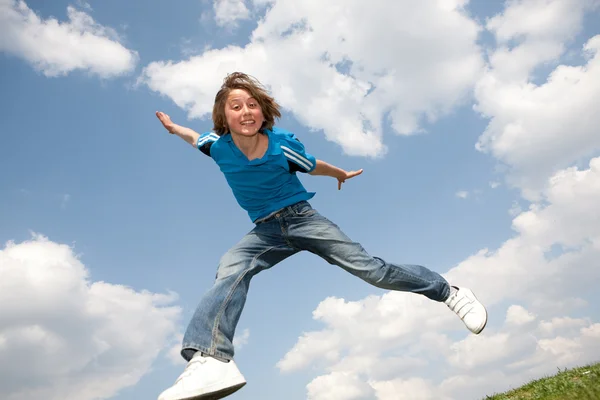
(264, 185)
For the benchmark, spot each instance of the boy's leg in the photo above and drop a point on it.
(308, 230)
(313, 232)
(212, 327)
(211, 372)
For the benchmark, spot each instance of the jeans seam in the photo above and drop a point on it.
(215, 330)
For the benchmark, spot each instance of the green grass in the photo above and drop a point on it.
(581, 383)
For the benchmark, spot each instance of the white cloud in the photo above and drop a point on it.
(57, 48)
(503, 357)
(494, 184)
(228, 12)
(537, 129)
(360, 330)
(560, 325)
(463, 194)
(484, 352)
(344, 67)
(539, 28)
(339, 386)
(65, 337)
(591, 332)
(309, 347)
(517, 315)
(407, 389)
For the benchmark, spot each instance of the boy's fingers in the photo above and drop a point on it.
(354, 173)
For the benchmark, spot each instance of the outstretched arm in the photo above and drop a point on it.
(341, 175)
(187, 134)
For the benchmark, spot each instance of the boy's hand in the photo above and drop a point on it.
(187, 134)
(347, 175)
(166, 121)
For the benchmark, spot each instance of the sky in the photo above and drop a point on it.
(475, 123)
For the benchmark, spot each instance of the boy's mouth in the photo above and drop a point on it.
(250, 122)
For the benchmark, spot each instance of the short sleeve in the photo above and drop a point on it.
(205, 141)
(298, 158)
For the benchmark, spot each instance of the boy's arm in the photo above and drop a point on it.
(187, 134)
(325, 169)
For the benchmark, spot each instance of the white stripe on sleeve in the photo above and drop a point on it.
(297, 161)
(212, 137)
(296, 157)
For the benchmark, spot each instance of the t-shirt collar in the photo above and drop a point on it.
(272, 149)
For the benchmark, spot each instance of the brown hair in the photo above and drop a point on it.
(239, 80)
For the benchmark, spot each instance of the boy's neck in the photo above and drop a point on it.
(252, 147)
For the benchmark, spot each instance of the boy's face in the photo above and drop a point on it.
(243, 113)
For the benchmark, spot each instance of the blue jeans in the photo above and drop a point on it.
(292, 229)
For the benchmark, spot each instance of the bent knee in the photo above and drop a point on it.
(231, 264)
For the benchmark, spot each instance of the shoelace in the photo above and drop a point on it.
(191, 367)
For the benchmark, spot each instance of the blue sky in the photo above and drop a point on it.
(475, 126)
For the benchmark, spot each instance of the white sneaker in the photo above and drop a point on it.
(464, 303)
(205, 378)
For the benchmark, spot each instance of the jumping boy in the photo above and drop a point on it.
(260, 163)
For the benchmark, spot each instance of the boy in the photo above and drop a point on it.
(260, 163)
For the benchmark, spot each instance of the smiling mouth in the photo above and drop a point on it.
(247, 123)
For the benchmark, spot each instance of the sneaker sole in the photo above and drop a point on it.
(219, 394)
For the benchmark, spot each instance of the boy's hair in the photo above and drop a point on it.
(239, 80)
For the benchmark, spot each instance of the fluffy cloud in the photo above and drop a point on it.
(57, 48)
(468, 368)
(339, 386)
(407, 389)
(65, 337)
(531, 32)
(228, 12)
(517, 315)
(373, 324)
(536, 129)
(344, 67)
